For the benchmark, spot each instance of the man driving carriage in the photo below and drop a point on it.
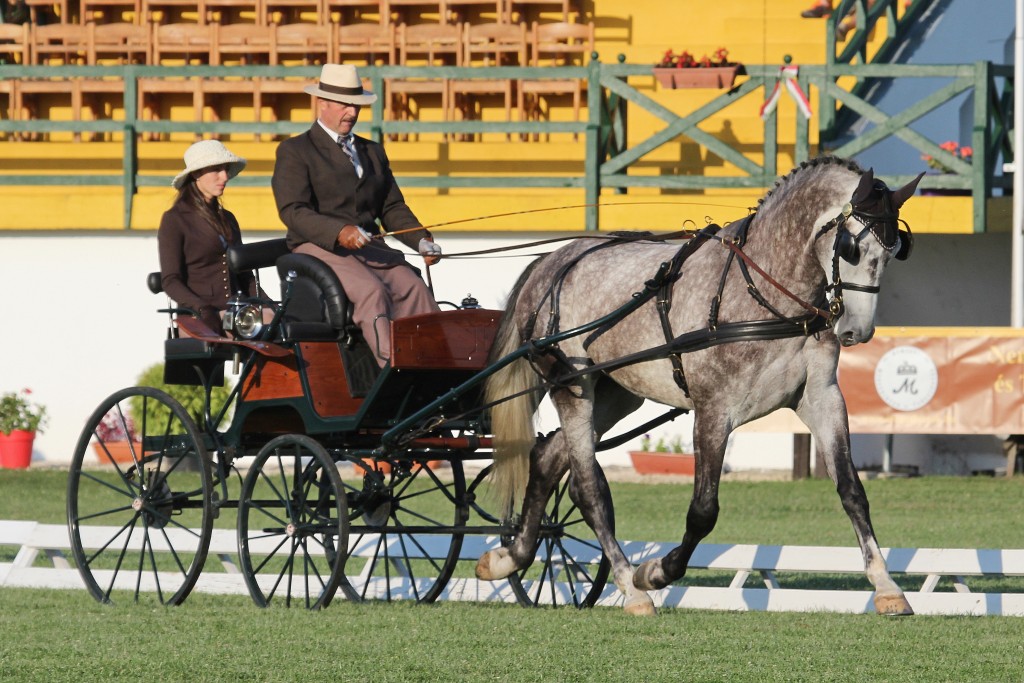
(333, 191)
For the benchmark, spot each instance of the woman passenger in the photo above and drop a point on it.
(196, 232)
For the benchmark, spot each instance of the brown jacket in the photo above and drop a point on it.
(193, 260)
(318, 192)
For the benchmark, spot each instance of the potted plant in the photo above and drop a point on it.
(684, 71)
(20, 421)
(939, 168)
(116, 438)
(191, 397)
(664, 456)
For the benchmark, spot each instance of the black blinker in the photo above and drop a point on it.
(906, 245)
(846, 246)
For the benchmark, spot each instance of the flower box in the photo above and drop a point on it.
(647, 462)
(697, 76)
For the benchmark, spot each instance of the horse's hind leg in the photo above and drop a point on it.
(709, 440)
(549, 461)
(826, 416)
(576, 415)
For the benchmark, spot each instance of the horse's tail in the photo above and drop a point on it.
(511, 393)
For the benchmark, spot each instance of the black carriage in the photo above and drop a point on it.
(345, 477)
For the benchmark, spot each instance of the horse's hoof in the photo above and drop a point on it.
(640, 605)
(483, 567)
(494, 565)
(642, 577)
(893, 606)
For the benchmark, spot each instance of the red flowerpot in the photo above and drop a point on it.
(16, 449)
(662, 463)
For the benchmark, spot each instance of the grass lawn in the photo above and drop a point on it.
(66, 636)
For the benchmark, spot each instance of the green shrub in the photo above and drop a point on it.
(191, 398)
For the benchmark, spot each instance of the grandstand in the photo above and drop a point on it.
(283, 37)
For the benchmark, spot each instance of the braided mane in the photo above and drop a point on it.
(817, 162)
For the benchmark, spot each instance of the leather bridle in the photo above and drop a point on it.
(847, 245)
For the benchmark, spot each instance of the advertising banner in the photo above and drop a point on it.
(950, 380)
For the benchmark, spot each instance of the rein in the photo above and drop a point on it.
(678, 234)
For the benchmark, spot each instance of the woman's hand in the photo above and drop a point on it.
(353, 237)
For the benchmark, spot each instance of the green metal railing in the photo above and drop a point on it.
(612, 90)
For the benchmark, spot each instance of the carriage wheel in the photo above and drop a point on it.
(407, 527)
(144, 525)
(292, 516)
(569, 566)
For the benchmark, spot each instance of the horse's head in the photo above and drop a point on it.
(867, 236)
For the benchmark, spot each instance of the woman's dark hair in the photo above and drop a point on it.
(212, 211)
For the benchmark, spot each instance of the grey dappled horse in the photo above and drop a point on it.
(767, 302)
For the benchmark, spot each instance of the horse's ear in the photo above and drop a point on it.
(867, 183)
(906, 192)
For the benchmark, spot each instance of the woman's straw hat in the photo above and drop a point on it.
(204, 154)
(341, 83)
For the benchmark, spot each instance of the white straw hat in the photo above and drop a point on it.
(204, 154)
(341, 83)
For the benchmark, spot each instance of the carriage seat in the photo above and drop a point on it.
(318, 309)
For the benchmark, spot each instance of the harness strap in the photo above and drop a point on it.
(756, 330)
(554, 291)
(664, 301)
(813, 310)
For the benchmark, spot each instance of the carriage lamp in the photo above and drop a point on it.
(249, 322)
(242, 318)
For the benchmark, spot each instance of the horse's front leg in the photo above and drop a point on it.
(825, 414)
(710, 434)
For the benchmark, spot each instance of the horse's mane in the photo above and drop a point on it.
(815, 163)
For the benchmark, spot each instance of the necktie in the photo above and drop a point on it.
(348, 146)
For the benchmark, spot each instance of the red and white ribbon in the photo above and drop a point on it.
(787, 76)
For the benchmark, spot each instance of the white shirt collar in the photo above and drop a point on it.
(334, 134)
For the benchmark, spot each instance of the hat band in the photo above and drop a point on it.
(340, 90)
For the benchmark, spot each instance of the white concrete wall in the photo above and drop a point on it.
(78, 323)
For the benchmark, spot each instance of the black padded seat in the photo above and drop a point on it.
(256, 255)
(318, 308)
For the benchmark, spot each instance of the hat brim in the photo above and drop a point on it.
(366, 98)
(234, 168)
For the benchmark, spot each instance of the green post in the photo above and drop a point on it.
(130, 165)
(592, 160)
(981, 179)
(802, 149)
(377, 108)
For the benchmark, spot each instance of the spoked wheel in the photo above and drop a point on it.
(141, 526)
(408, 522)
(292, 518)
(569, 566)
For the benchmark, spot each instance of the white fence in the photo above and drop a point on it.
(908, 565)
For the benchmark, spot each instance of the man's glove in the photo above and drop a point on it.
(430, 251)
(429, 248)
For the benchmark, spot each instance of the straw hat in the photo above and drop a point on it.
(341, 83)
(204, 154)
